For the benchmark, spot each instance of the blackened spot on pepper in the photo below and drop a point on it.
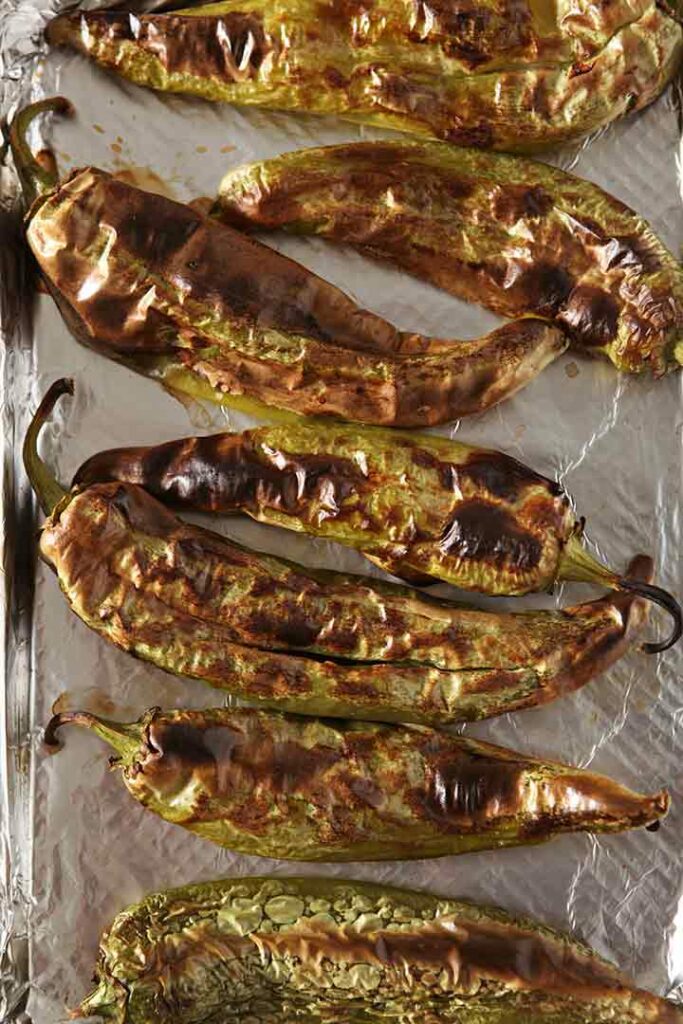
(591, 315)
(285, 626)
(510, 203)
(335, 78)
(481, 531)
(503, 476)
(447, 471)
(545, 287)
(461, 788)
(479, 135)
(231, 47)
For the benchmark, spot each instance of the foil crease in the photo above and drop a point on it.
(74, 848)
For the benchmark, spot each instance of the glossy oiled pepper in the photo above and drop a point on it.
(507, 74)
(310, 789)
(516, 236)
(322, 643)
(180, 297)
(274, 950)
(417, 505)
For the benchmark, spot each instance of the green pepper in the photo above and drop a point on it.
(301, 640)
(273, 950)
(320, 790)
(517, 236)
(209, 312)
(503, 75)
(418, 505)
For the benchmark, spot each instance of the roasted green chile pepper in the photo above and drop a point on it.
(319, 790)
(180, 297)
(321, 643)
(419, 506)
(273, 950)
(517, 236)
(503, 75)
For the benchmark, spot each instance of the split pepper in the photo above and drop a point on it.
(315, 789)
(207, 311)
(515, 235)
(314, 642)
(268, 950)
(502, 74)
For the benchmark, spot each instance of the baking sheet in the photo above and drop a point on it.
(75, 847)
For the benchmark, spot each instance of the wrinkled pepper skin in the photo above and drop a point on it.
(196, 604)
(269, 950)
(310, 789)
(506, 74)
(515, 235)
(179, 296)
(417, 505)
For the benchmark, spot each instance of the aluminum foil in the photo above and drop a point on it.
(74, 847)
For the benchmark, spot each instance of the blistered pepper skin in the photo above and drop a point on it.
(419, 506)
(179, 296)
(198, 605)
(503, 75)
(267, 950)
(309, 789)
(515, 235)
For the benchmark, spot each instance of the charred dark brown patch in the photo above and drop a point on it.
(481, 531)
(545, 287)
(591, 315)
(460, 788)
(287, 626)
(480, 135)
(335, 78)
(220, 473)
(503, 476)
(510, 203)
(231, 47)
(472, 32)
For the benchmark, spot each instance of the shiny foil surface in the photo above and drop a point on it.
(76, 849)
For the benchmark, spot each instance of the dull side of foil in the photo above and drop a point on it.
(170, 291)
(514, 235)
(267, 949)
(504, 75)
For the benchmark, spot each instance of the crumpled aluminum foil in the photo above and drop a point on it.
(74, 847)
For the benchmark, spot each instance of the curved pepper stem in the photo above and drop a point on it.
(125, 739)
(35, 178)
(578, 564)
(48, 490)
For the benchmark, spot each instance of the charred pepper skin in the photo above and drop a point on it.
(180, 297)
(517, 236)
(417, 505)
(315, 790)
(269, 950)
(503, 75)
(196, 604)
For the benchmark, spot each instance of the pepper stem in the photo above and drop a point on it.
(125, 739)
(35, 178)
(578, 564)
(48, 490)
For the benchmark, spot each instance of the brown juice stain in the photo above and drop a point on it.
(227, 149)
(97, 702)
(202, 149)
(115, 147)
(144, 178)
(99, 128)
(119, 139)
(571, 369)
